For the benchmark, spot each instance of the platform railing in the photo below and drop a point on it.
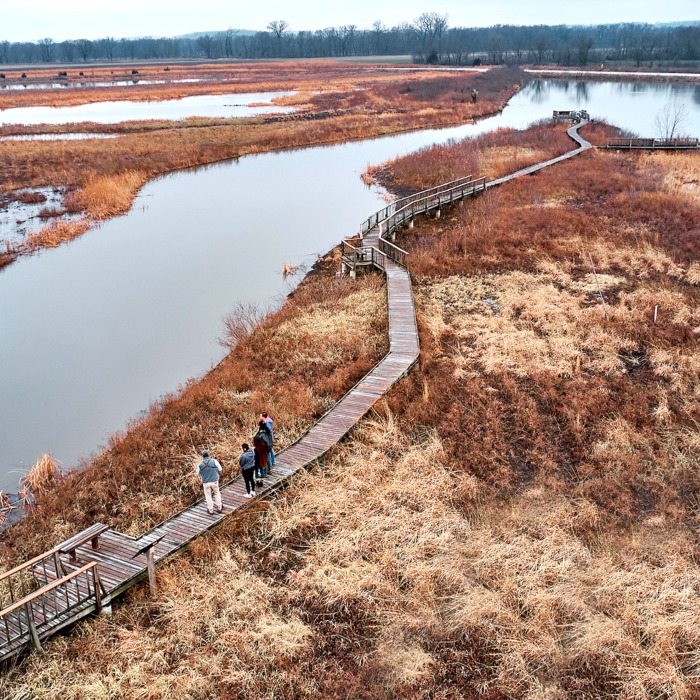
(679, 143)
(399, 213)
(22, 622)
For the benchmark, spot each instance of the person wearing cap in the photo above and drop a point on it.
(209, 470)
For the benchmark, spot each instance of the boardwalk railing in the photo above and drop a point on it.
(387, 211)
(23, 580)
(662, 144)
(50, 607)
(399, 213)
(576, 115)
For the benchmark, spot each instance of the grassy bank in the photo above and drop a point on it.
(337, 103)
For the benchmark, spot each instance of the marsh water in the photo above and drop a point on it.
(94, 331)
(234, 105)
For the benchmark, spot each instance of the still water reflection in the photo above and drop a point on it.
(219, 106)
(93, 331)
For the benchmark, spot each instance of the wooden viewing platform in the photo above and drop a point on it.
(681, 144)
(84, 574)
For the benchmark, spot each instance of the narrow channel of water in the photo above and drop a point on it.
(93, 331)
(211, 106)
(109, 83)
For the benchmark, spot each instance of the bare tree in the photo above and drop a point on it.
(207, 44)
(541, 47)
(583, 48)
(46, 49)
(243, 319)
(671, 121)
(84, 47)
(68, 50)
(109, 44)
(278, 27)
(431, 26)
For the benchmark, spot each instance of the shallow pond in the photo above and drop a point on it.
(208, 106)
(94, 331)
(93, 84)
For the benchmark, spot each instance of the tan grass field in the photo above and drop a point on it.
(519, 517)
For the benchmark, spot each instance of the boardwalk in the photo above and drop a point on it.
(70, 588)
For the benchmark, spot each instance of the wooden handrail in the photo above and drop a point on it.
(29, 563)
(393, 245)
(46, 589)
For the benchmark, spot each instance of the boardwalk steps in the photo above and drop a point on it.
(52, 591)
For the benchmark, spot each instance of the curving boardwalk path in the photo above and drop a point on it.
(120, 558)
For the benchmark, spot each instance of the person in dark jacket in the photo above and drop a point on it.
(264, 434)
(271, 456)
(260, 449)
(247, 462)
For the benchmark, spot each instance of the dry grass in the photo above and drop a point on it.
(56, 233)
(492, 155)
(104, 197)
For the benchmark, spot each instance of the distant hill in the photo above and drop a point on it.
(197, 35)
(671, 25)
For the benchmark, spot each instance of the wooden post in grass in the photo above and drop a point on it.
(150, 561)
(147, 548)
(600, 293)
(656, 311)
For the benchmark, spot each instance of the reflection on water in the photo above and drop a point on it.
(97, 329)
(632, 106)
(92, 84)
(211, 106)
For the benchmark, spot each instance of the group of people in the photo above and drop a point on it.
(255, 463)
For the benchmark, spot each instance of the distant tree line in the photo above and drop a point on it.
(428, 39)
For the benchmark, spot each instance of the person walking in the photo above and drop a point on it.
(247, 462)
(271, 454)
(209, 470)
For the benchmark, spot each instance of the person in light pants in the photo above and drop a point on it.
(209, 470)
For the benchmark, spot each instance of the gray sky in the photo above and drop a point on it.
(92, 19)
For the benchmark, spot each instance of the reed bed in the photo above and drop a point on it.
(56, 233)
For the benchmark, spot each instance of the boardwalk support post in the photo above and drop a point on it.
(150, 561)
(148, 548)
(32, 629)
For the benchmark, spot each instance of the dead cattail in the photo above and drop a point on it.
(288, 269)
(42, 475)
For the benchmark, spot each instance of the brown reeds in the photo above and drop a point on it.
(56, 233)
(40, 479)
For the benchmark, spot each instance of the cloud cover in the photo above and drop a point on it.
(74, 19)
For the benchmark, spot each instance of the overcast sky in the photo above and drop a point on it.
(92, 19)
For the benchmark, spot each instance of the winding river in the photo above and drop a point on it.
(94, 331)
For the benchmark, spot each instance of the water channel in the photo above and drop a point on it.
(95, 330)
(211, 106)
